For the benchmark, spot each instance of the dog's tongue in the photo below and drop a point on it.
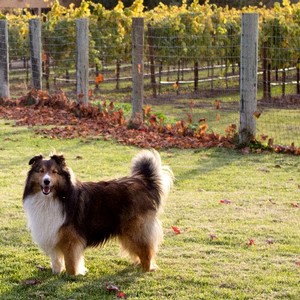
(46, 190)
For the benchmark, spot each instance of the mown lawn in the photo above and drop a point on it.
(246, 247)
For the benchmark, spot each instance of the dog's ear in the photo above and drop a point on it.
(59, 159)
(35, 159)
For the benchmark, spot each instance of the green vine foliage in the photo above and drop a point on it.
(191, 32)
(18, 34)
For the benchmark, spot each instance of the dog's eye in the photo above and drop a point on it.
(41, 170)
(54, 171)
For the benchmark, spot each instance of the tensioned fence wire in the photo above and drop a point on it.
(179, 61)
(278, 112)
(198, 74)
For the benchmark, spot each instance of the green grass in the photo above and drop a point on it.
(261, 189)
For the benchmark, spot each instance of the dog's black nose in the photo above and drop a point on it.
(46, 181)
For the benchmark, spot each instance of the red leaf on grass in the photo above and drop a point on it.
(296, 205)
(121, 295)
(111, 288)
(176, 229)
(251, 242)
(225, 201)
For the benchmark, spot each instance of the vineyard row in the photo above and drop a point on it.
(248, 76)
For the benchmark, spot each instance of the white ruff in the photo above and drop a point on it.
(45, 217)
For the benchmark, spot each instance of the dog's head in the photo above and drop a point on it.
(48, 175)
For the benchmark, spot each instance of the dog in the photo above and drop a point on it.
(65, 215)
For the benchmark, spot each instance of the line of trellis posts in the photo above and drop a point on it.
(248, 66)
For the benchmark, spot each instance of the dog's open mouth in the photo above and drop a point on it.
(46, 190)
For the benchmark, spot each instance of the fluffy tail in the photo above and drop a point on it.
(159, 179)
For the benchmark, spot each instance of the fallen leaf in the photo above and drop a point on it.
(41, 268)
(225, 201)
(269, 241)
(296, 205)
(121, 295)
(251, 242)
(263, 137)
(212, 236)
(264, 169)
(203, 128)
(32, 282)
(111, 288)
(217, 103)
(147, 110)
(192, 104)
(176, 229)
(176, 85)
(246, 150)
(90, 94)
(271, 200)
(270, 142)
(99, 78)
(257, 114)
(80, 96)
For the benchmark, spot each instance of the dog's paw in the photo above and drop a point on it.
(153, 268)
(82, 271)
(57, 268)
(57, 271)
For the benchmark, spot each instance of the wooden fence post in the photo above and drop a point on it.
(82, 60)
(248, 77)
(4, 66)
(137, 68)
(35, 37)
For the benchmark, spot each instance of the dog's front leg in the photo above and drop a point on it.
(74, 260)
(57, 261)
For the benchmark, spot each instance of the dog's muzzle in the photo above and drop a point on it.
(46, 186)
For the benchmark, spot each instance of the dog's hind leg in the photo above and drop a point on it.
(152, 235)
(142, 241)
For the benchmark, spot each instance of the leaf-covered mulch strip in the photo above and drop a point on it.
(69, 119)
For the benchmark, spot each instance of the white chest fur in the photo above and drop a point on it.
(45, 217)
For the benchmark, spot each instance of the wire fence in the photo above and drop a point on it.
(191, 74)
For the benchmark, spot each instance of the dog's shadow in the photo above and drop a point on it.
(42, 284)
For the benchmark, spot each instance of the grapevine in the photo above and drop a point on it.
(187, 34)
